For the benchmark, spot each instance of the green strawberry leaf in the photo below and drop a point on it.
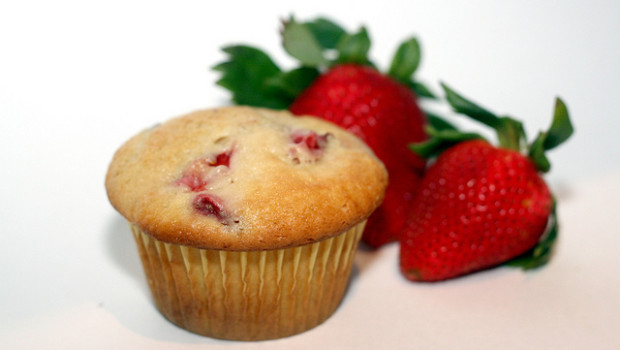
(292, 83)
(561, 127)
(245, 74)
(354, 48)
(438, 123)
(420, 89)
(561, 130)
(300, 42)
(510, 132)
(326, 32)
(406, 61)
(537, 153)
(440, 140)
(540, 254)
(462, 105)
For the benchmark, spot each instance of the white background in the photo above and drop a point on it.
(77, 79)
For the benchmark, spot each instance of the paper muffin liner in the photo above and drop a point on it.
(248, 295)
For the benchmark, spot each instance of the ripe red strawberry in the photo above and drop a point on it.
(337, 82)
(479, 205)
(381, 111)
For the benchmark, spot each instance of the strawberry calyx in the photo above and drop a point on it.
(510, 132)
(254, 78)
(322, 43)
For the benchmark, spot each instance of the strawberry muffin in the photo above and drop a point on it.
(246, 220)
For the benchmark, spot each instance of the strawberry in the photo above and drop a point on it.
(197, 175)
(337, 82)
(308, 146)
(479, 205)
(379, 110)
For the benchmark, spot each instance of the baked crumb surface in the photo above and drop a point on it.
(241, 178)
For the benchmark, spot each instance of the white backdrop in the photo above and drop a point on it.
(77, 79)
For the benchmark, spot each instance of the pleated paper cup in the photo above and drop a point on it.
(248, 295)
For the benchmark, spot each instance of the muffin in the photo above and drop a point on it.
(246, 220)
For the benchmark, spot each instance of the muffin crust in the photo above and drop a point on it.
(241, 178)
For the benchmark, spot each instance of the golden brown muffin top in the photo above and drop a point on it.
(241, 178)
